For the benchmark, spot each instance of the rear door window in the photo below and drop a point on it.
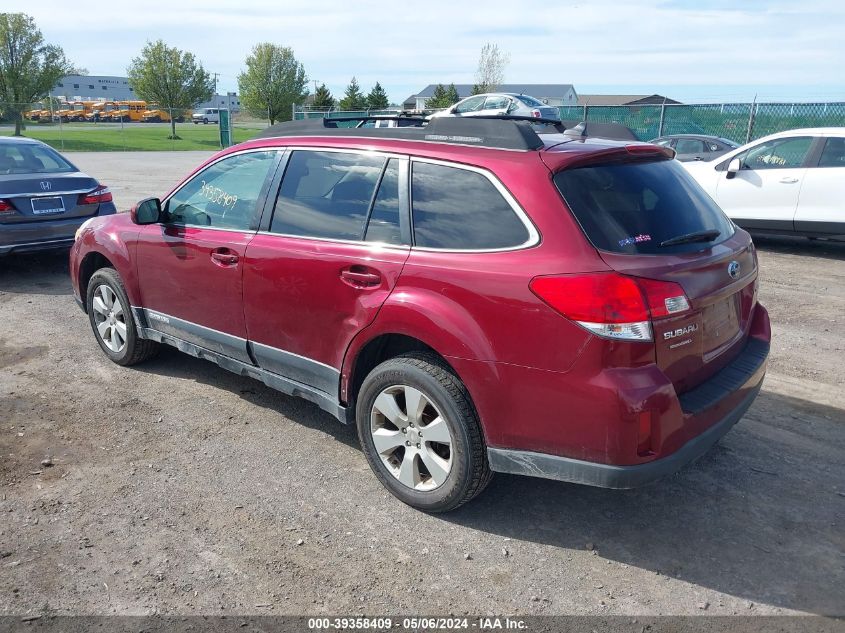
(634, 207)
(689, 146)
(458, 209)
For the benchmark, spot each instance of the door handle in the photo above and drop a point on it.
(360, 277)
(224, 257)
(788, 180)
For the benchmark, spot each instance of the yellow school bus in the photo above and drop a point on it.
(156, 114)
(129, 111)
(100, 111)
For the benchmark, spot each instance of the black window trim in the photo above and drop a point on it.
(404, 196)
(533, 234)
(259, 204)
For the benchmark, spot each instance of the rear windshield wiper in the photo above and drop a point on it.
(697, 236)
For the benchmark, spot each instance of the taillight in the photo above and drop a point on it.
(6, 206)
(665, 298)
(99, 195)
(536, 114)
(610, 304)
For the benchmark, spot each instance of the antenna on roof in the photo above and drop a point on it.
(579, 131)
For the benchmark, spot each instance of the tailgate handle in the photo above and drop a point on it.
(360, 277)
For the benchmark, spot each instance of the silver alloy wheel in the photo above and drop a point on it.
(411, 437)
(109, 318)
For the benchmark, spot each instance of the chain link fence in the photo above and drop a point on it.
(115, 127)
(739, 122)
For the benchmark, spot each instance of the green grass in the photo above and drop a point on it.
(81, 137)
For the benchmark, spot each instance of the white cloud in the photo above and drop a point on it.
(405, 47)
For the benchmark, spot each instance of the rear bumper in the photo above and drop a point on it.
(737, 385)
(35, 236)
(608, 475)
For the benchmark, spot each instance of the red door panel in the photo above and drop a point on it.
(195, 276)
(305, 299)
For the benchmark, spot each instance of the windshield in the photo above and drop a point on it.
(531, 102)
(79, 107)
(637, 207)
(23, 158)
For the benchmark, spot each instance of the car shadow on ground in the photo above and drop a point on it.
(829, 249)
(758, 517)
(41, 273)
(173, 363)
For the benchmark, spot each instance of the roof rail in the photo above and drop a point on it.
(503, 132)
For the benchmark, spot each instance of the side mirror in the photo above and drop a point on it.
(146, 212)
(733, 168)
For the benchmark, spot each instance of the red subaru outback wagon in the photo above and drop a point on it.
(476, 296)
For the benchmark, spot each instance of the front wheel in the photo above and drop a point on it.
(110, 314)
(420, 433)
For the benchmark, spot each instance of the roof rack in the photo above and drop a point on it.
(502, 132)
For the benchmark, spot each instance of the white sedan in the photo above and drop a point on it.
(790, 182)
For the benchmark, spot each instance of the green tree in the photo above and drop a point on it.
(29, 68)
(438, 98)
(377, 99)
(172, 78)
(272, 82)
(452, 95)
(323, 98)
(353, 98)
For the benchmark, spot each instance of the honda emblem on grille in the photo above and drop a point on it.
(46, 185)
(733, 269)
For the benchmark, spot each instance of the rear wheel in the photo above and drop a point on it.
(205, 121)
(110, 314)
(420, 433)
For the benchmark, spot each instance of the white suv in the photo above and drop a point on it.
(790, 182)
(206, 116)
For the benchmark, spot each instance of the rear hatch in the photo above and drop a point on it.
(42, 197)
(649, 219)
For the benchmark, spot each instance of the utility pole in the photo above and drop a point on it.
(216, 75)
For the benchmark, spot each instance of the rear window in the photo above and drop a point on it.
(25, 158)
(634, 207)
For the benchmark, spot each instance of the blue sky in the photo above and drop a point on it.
(691, 51)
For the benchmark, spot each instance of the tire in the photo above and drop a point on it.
(134, 349)
(205, 121)
(426, 483)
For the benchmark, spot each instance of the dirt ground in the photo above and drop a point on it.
(179, 488)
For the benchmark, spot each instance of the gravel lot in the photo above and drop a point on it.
(177, 487)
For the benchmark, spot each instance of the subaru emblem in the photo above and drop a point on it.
(46, 185)
(733, 269)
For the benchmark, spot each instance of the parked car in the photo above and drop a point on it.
(44, 198)
(791, 182)
(206, 116)
(475, 296)
(696, 146)
(496, 103)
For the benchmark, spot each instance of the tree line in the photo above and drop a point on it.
(272, 81)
